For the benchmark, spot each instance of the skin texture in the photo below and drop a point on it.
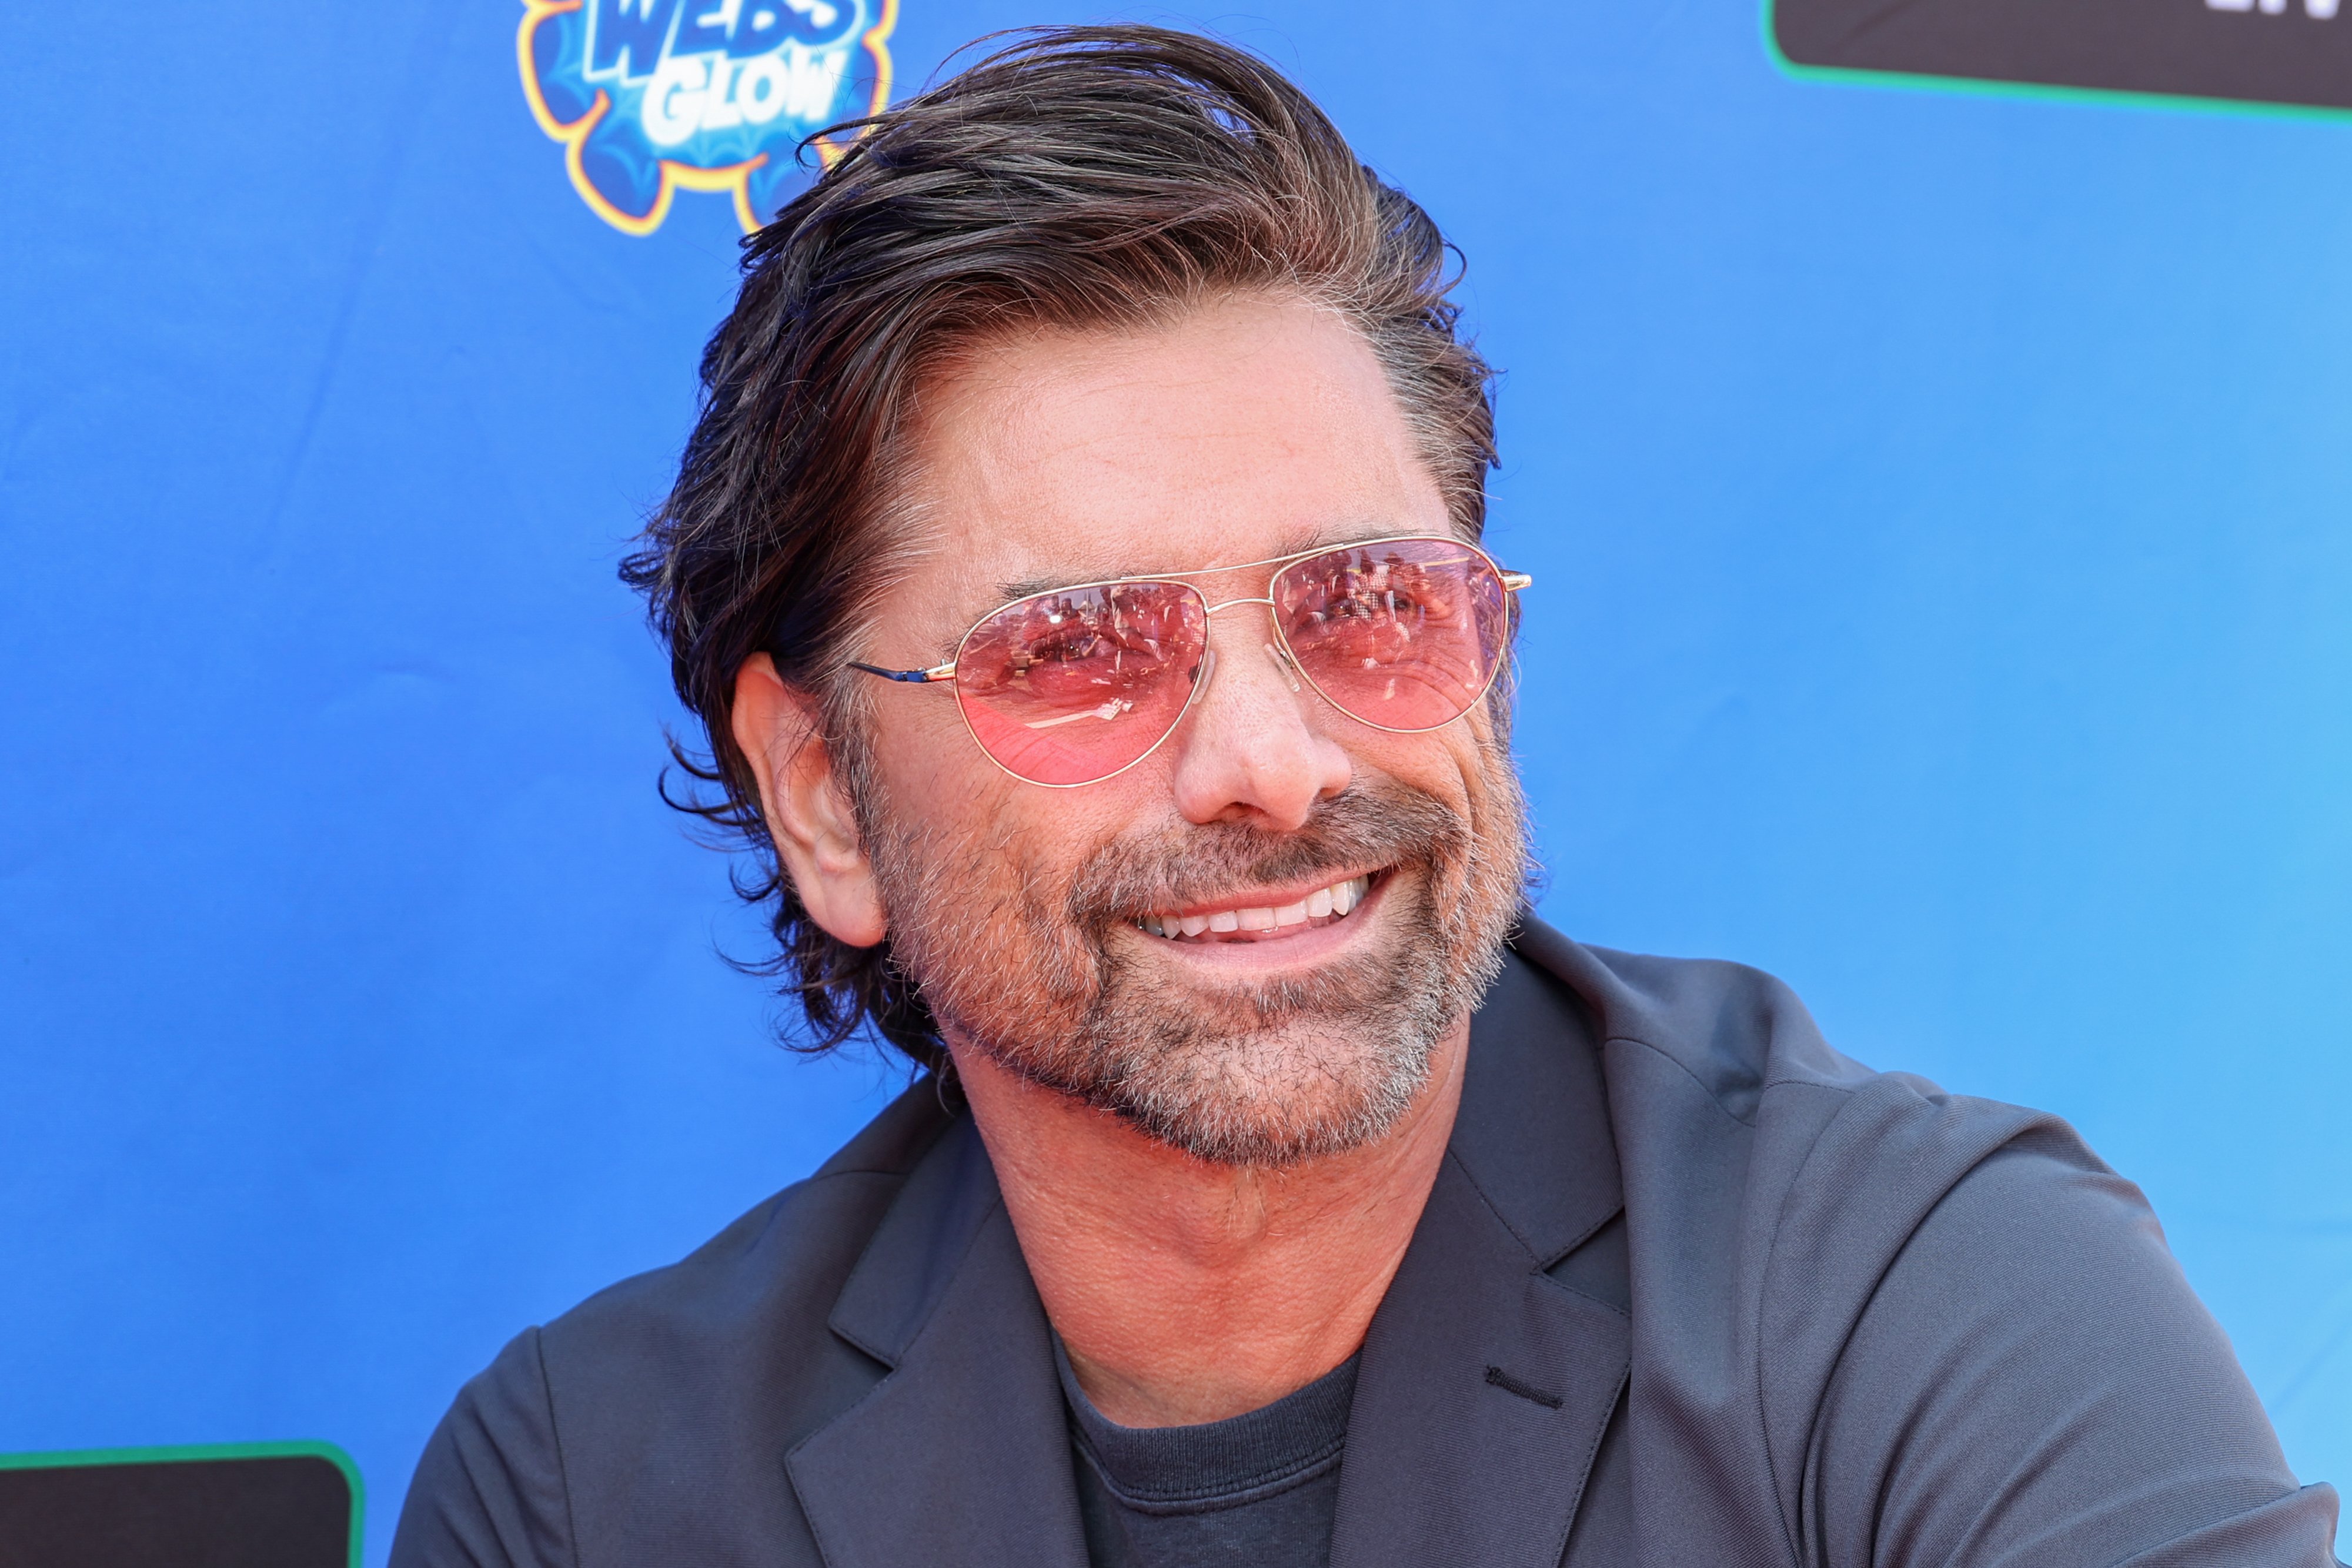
(1186, 1288)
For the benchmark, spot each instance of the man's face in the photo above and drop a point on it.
(1045, 926)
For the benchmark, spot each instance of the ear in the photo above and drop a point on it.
(807, 809)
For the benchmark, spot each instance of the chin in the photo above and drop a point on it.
(1258, 1091)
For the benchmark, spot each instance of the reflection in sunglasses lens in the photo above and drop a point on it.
(1071, 686)
(1405, 634)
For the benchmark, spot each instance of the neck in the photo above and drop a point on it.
(1186, 1291)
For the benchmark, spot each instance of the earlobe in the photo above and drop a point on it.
(806, 805)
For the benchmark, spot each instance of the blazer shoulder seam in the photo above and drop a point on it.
(1843, 1089)
(2146, 1553)
(1684, 1068)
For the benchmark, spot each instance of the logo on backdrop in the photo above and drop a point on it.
(2291, 52)
(652, 97)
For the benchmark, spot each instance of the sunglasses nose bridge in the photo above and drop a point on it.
(1283, 661)
(1277, 650)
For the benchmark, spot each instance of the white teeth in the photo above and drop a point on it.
(1322, 904)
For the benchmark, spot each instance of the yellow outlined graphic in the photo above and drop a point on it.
(733, 179)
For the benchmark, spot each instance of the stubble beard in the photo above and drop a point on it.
(1045, 974)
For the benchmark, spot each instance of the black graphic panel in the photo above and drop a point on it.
(280, 1510)
(2268, 51)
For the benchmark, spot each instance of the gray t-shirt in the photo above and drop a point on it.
(1259, 1489)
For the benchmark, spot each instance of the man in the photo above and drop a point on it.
(1074, 565)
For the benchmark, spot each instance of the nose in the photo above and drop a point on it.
(1253, 745)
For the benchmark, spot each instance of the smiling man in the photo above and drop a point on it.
(1076, 566)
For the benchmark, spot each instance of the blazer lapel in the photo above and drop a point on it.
(1486, 1383)
(961, 1454)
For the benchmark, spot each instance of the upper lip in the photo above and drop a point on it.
(1271, 897)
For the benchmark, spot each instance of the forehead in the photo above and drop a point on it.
(1243, 430)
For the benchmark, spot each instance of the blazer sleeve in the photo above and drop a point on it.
(2033, 1382)
(489, 1490)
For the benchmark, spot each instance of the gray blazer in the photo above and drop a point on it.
(1691, 1288)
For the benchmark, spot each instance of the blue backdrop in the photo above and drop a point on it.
(1941, 510)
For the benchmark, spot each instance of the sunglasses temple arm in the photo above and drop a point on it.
(936, 672)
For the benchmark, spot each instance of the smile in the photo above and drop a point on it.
(1252, 922)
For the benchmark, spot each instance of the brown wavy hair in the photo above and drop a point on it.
(1077, 177)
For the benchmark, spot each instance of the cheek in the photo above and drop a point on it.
(1448, 763)
(937, 784)
(1491, 794)
(925, 757)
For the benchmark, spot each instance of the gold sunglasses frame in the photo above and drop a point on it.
(1512, 581)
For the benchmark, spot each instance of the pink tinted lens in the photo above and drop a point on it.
(1403, 633)
(1071, 686)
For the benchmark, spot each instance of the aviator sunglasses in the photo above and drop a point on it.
(1074, 685)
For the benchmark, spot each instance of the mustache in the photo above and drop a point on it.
(1370, 825)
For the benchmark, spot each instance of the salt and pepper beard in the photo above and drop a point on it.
(1020, 962)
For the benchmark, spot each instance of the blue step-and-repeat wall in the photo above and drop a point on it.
(1939, 497)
